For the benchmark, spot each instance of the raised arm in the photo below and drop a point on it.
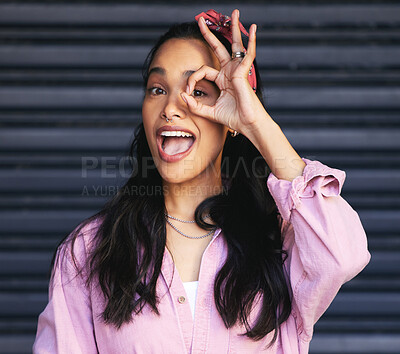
(324, 237)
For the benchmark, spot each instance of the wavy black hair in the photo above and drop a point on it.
(246, 213)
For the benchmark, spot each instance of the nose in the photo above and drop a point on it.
(175, 107)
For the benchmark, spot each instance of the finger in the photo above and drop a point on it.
(251, 48)
(237, 44)
(218, 48)
(205, 72)
(197, 107)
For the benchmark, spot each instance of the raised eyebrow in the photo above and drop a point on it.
(161, 71)
(187, 73)
(156, 70)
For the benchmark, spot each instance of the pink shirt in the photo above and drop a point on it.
(327, 247)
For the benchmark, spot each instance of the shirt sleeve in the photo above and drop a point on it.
(66, 325)
(324, 238)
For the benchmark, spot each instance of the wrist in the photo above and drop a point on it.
(258, 131)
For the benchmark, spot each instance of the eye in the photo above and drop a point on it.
(156, 91)
(198, 93)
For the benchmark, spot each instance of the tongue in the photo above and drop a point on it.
(174, 145)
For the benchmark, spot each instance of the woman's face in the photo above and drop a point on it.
(181, 159)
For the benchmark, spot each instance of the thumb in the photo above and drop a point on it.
(197, 107)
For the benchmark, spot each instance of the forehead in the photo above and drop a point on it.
(176, 54)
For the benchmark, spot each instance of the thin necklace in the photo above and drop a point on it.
(186, 221)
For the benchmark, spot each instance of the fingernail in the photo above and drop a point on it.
(187, 89)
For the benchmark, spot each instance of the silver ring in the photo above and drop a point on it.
(238, 55)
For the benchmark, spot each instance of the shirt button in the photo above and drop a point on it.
(181, 299)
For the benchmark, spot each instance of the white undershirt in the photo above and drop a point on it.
(191, 292)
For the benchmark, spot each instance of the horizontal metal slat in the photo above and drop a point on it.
(16, 343)
(118, 98)
(37, 221)
(17, 304)
(73, 55)
(355, 159)
(344, 343)
(336, 139)
(82, 34)
(24, 263)
(357, 324)
(364, 180)
(84, 181)
(380, 221)
(30, 242)
(70, 97)
(372, 201)
(110, 76)
(118, 139)
(44, 221)
(365, 304)
(284, 117)
(139, 14)
(378, 283)
(23, 284)
(268, 56)
(95, 195)
(97, 172)
(56, 201)
(73, 159)
(78, 118)
(72, 139)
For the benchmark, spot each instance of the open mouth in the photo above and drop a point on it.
(173, 145)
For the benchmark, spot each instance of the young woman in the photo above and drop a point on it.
(223, 240)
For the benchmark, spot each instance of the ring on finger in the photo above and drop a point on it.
(238, 55)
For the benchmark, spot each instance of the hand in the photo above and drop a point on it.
(237, 107)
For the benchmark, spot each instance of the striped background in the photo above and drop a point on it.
(70, 96)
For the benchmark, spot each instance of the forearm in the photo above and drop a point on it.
(279, 154)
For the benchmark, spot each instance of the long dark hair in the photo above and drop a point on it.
(246, 213)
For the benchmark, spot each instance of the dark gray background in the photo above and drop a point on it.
(70, 76)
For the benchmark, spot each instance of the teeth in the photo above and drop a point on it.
(175, 133)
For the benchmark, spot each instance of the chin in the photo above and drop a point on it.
(171, 175)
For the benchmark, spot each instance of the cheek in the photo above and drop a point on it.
(145, 112)
(148, 125)
(147, 116)
(214, 139)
